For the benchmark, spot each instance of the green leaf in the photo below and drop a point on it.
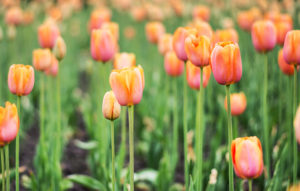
(146, 175)
(191, 188)
(66, 184)
(86, 145)
(87, 182)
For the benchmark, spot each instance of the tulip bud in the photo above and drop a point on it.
(297, 125)
(9, 123)
(165, 43)
(110, 107)
(291, 48)
(247, 157)
(48, 33)
(263, 35)
(201, 12)
(41, 59)
(281, 30)
(60, 48)
(203, 28)
(225, 35)
(238, 103)
(193, 75)
(52, 70)
(98, 17)
(173, 66)
(124, 60)
(154, 30)
(14, 16)
(284, 66)
(179, 37)
(113, 28)
(138, 13)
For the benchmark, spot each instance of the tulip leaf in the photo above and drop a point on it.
(87, 182)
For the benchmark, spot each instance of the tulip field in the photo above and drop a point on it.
(149, 95)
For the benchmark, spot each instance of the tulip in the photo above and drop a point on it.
(226, 63)
(263, 35)
(60, 48)
(201, 12)
(225, 35)
(297, 125)
(281, 30)
(193, 75)
(113, 28)
(179, 37)
(9, 123)
(203, 28)
(173, 66)
(238, 103)
(198, 50)
(124, 60)
(52, 70)
(138, 13)
(246, 19)
(110, 107)
(165, 43)
(14, 16)
(295, 187)
(28, 17)
(41, 59)
(291, 48)
(20, 79)
(247, 157)
(103, 45)
(98, 17)
(154, 30)
(284, 66)
(47, 34)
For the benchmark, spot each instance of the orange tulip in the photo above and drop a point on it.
(295, 187)
(193, 75)
(60, 48)
(291, 48)
(20, 79)
(179, 37)
(201, 12)
(247, 157)
(129, 32)
(14, 16)
(128, 85)
(165, 43)
(173, 66)
(297, 125)
(138, 13)
(98, 17)
(154, 30)
(52, 70)
(238, 102)
(263, 35)
(28, 17)
(124, 60)
(281, 30)
(226, 63)
(112, 27)
(225, 35)
(41, 59)
(203, 28)
(48, 33)
(284, 66)
(9, 123)
(103, 45)
(198, 50)
(246, 19)
(110, 107)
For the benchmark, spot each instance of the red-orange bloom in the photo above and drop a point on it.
(284, 66)
(47, 34)
(154, 30)
(263, 35)
(225, 35)
(238, 103)
(173, 66)
(14, 16)
(179, 37)
(245, 19)
(193, 75)
(201, 12)
(41, 59)
(291, 48)
(98, 17)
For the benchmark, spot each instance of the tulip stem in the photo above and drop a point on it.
(7, 167)
(185, 130)
(113, 156)
(250, 184)
(131, 145)
(294, 134)
(199, 135)
(229, 120)
(17, 145)
(175, 126)
(2, 168)
(265, 116)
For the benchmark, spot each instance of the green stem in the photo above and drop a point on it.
(7, 167)
(175, 126)
(2, 168)
(185, 130)
(294, 135)
(265, 116)
(131, 145)
(17, 145)
(229, 119)
(235, 127)
(113, 156)
(250, 184)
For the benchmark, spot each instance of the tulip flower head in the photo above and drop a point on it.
(20, 79)
(124, 60)
(225, 35)
(201, 12)
(193, 75)
(203, 28)
(198, 50)
(284, 66)
(98, 17)
(52, 70)
(246, 19)
(47, 34)
(14, 16)
(238, 102)
(154, 30)
(226, 63)
(103, 45)
(128, 85)
(297, 125)
(113, 28)
(110, 107)
(263, 35)
(282, 28)
(165, 43)
(173, 66)
(247, 157)
(291, 47)
(179, 37)
(41, 59)
(9, 123)
(60, 48)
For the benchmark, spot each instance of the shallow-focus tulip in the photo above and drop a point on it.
(154, 30)
(203, 28)
(103, 45)
(297, 125)
(245, 19)
(138, 13)
(98, 17)
(291, 48)
(20, 79)
(263, 35)
(128, 85)
(60, 48)
(238, 102)
(28, 17)
(198, 50)
(9, 123)
(110, 106)
(14, 16)
(247, 157)
(201, 12)
(52, 70)
(284, 66)
(226, 63)
(177, 6)
(225, 35)
(112, 27)
(173, 65)
(124, 60)
(295, 187)
(129, 32)
(193, 75)
(165, 43)
(179, 37)
(282, 28)
(47, 34)
(41, 59)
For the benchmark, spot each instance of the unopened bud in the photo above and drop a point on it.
(110, 106)
(60, 48)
